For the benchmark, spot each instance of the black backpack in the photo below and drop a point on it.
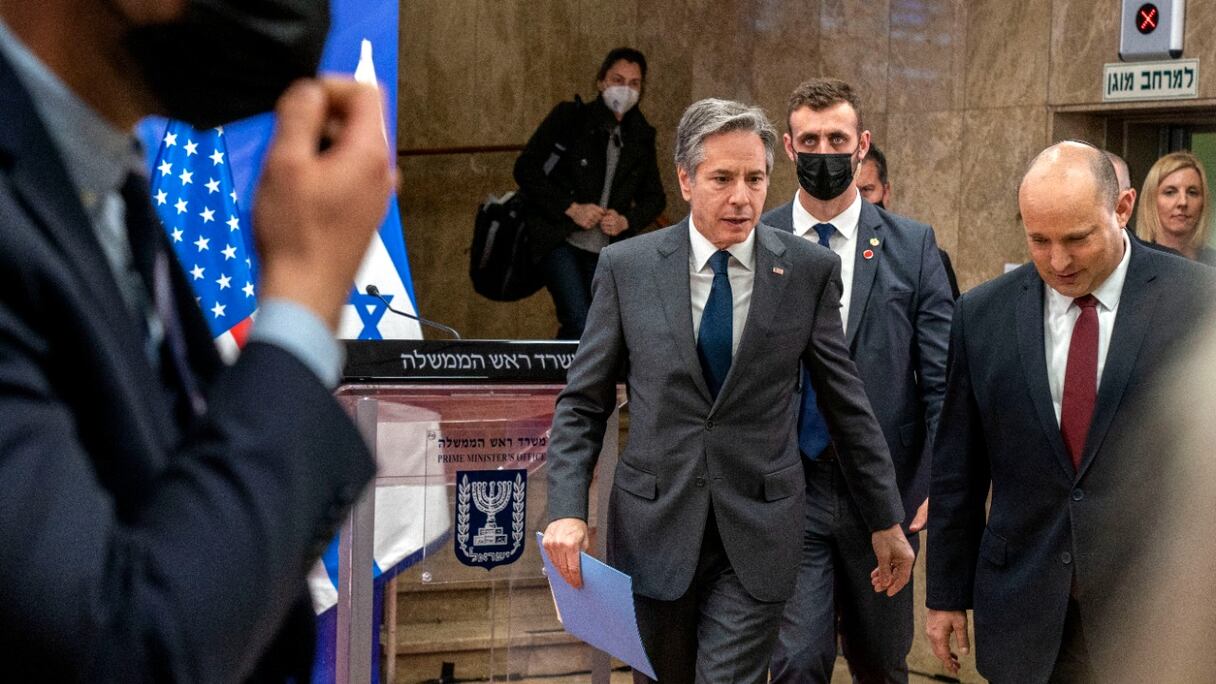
(500, 259)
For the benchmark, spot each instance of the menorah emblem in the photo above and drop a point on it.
(481, 495)
(490, 498)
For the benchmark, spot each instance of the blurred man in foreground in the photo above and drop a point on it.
(160, 510)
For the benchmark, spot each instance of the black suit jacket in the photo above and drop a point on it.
(1051, 531)
(136, 545)
(898, 332)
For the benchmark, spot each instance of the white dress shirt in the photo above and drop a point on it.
(740, 269)
(843, 242)
(1060, 314)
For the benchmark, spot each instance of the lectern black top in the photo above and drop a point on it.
(457, 361)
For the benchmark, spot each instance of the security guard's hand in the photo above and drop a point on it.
(895, 558)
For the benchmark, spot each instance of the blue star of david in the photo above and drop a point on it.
(371, 310)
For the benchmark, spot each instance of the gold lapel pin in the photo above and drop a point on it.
(778, 270)
(873, 242)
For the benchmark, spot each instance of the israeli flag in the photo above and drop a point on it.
(385, 265)
(412, 520)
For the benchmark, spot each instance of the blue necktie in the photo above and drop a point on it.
(152, 263)
(825, 231)
(715, 337)
(812, 430)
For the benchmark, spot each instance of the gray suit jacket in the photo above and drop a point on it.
(687, 451)
(898, 333)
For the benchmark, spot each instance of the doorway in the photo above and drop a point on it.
(1144, 137)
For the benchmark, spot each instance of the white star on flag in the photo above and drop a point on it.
(234, 223)
(161, 197)
(248, 289)
(170, 139)
(205, 198)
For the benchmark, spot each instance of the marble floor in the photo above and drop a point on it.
(839, 676)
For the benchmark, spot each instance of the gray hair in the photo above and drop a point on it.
(712, 116)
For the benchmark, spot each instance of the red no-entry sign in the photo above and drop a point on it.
(1146, 18)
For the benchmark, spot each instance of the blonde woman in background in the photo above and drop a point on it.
(1174, 210)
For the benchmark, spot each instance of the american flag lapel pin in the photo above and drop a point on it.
(778, 270)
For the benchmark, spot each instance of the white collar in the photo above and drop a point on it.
(1107, 294)
(702, 249)
(845, 222)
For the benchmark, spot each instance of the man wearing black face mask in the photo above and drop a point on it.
(896, 309)
(160, 510)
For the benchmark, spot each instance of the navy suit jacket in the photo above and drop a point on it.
(137, 545)
(1051, 531)
(898, 331)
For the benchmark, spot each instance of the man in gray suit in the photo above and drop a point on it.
(707, 500)
(896, 306)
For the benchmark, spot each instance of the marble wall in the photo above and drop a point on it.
(960, 93)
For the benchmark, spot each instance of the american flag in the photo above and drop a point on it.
(196, 200)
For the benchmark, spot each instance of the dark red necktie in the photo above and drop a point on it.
(1080, 380)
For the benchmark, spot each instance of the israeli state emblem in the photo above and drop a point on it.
(491, 507)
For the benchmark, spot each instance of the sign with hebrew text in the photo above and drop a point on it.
(1172, 80)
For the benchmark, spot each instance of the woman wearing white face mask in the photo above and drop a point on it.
(589, 177)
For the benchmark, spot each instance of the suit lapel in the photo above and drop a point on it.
(42, 184)
(781, 218)
(1032, 350)
(767, 288)
(676, 294)
(1136, 305)
(863, 269)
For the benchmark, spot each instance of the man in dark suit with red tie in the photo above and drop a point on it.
(1048, 365)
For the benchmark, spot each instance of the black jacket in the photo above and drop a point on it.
(583, 129)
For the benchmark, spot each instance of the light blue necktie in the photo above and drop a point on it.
(813, 435)
(715, 337)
